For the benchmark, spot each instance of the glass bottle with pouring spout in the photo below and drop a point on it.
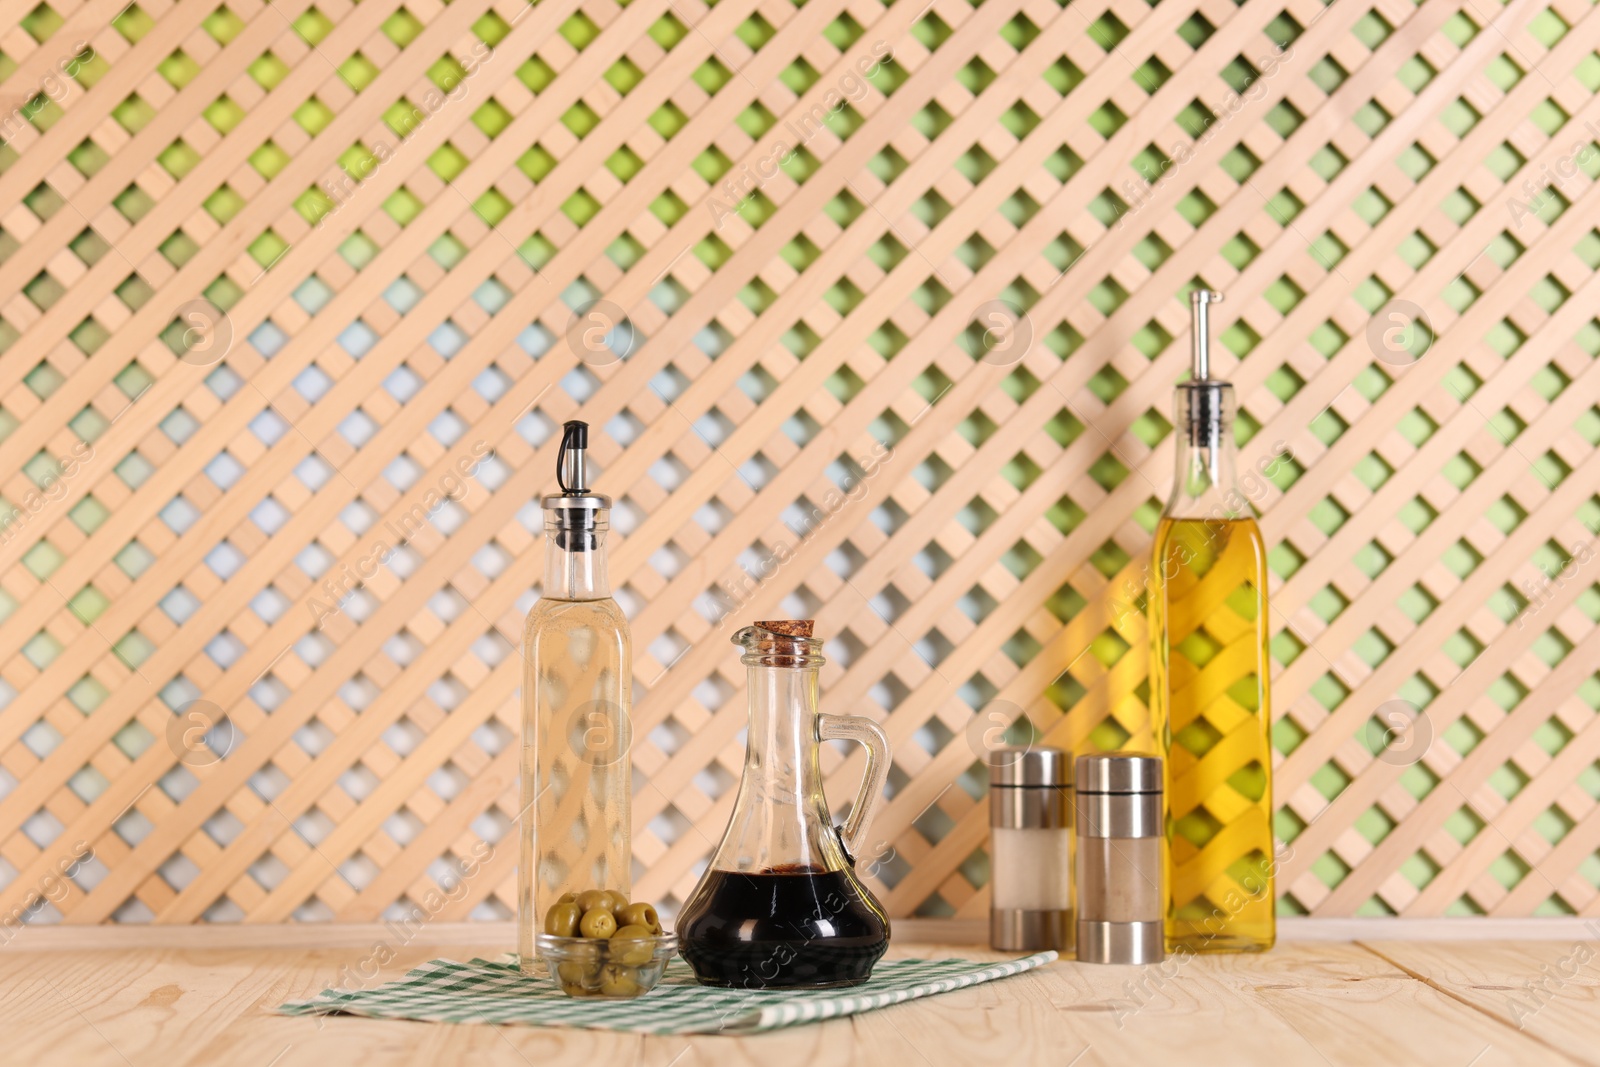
(577, 685)
(1209, 679)
(780, 905)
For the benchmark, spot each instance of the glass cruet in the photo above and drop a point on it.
(780, 905)
(574, 829)
(1211, 710)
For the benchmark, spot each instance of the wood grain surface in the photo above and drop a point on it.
(1302, 1004)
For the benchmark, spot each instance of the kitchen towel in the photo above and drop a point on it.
(482, 991)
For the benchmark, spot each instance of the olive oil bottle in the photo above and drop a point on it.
(577, 685)
(1209, 679)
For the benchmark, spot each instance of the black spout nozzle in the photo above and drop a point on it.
(571, 470)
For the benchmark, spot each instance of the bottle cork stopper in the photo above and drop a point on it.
(788, 627)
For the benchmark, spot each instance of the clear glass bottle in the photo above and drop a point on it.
(780, 905)
(575, 825)
(1210, 678)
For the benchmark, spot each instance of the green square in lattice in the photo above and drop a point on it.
(359, 72)
(1062, 76)
(1065, 604)
(133, 23)
(448, 162)
(41, 649)
(41, 22)
(88, 424)
(1066, 515)
(313, 27)
(624, 75)
(267, 71)
(667, 31)
(88, 604)
(755, 32)
(133, 114)
(930, 30)
(133, 559)
(1329, 780)
(447, 73)
(536, 74)
(88, 158)
(667, 120)
(711, 76)
(1285, 561)
(43, 380)
(1286, 737)
(491, 29)
(886, 253)
(178, 69)
(43, 291)
(625, 252)
(536, 163)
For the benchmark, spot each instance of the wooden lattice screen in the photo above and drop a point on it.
(892, 296)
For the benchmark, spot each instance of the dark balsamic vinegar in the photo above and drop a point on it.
(788, 927)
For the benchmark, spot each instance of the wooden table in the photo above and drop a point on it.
(1386, 992)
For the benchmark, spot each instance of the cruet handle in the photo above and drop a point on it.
(876, 742)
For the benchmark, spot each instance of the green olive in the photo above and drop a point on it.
(640, 914)
(598, 923)
(562, 920)
(566, 898)
(590, 899)
(619, 901)
(632, 945)
(572, 989)
(572, 973)
(619, 982)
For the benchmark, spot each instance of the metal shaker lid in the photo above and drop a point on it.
(1119, 772)
(1015, 766)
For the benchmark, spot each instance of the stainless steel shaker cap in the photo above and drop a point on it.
(1026, 766)
(1118, 772)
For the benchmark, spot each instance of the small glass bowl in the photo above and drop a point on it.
(586, 967)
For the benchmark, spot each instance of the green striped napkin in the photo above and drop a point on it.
(486, 992)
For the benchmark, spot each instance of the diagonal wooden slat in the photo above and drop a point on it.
(991, 553)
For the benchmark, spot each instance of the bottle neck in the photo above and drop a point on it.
(575, 562)
(1205, 483)
(780, 819)
(783, 748)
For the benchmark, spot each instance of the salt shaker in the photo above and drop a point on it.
(1121, 900)
(1030, 827)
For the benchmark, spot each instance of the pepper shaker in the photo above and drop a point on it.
(1030, 828)
(1121, 899)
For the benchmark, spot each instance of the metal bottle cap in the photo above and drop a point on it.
(1119, 772)
(1029, 788)
(575, 517)
(572, 475)
(1017, 766)
(1203, 406)
(1119, 795)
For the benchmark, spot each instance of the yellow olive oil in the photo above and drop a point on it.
(1209, 688)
